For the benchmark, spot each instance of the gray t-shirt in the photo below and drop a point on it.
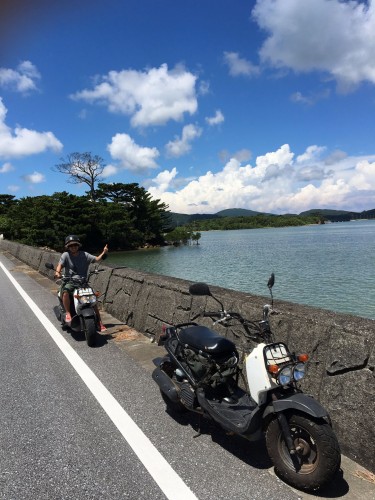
(76, 265)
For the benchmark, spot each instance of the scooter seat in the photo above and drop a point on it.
(206, 340)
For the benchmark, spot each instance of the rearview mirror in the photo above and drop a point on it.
(271, 281)
(49, 265)
(199, 289)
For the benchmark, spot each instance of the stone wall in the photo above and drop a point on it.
(341, 347)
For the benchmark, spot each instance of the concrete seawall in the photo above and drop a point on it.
(341, 347)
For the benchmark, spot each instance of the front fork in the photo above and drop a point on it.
(284, 426)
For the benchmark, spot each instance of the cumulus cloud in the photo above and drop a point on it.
(278, 182)
(132, 156)
(22, 141)
(23, 79)
(239, 66)
(306, 39)
(34, 178)
(7, 167)
(182, 145)
(151, 97)
(109, 170)
(216, 119)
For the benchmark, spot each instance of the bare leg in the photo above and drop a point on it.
(66, 303)
(101, 326)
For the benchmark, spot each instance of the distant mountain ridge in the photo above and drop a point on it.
(328, 214)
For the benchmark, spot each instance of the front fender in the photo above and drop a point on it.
(300, 402)
(87, 312)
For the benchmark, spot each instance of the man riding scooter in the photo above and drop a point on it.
(76, 262)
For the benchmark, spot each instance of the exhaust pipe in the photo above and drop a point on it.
(166, 384)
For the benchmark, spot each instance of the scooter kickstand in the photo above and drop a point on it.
(199, 428)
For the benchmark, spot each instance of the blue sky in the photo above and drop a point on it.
(267, 105)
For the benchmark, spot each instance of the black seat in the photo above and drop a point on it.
(206, 340)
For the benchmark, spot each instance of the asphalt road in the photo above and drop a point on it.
(89, 423)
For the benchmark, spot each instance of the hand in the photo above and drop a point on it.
(105, 249)
(57, 274)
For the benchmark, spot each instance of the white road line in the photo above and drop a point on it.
(167, 479)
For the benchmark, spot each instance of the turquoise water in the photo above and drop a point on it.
(330, 266)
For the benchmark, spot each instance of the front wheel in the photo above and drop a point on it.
(89, 328)
(317, 458)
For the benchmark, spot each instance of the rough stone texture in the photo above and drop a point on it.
(341, 347)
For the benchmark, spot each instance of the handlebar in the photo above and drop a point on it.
(253, 329)
(81, 280)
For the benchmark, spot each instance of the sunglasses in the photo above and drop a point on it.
(73, 245)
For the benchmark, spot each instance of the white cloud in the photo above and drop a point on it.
(239, 66)
(13, 188)
(7, 167)
(332, 36)
(151, 97)
(22, 141)
(23, 79)
(34, 178)
(109, 170)
(181, 146)
(310, 99)
(131, 156)
(277, 183)
(216, 119)
(311, 153)
(164, 179)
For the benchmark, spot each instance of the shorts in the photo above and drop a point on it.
(67, 287)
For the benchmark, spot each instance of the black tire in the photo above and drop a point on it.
(89, 328)
(318, 459)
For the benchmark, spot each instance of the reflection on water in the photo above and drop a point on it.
(330, 266)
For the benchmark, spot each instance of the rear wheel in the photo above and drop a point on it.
(317, 458)
(89, 328)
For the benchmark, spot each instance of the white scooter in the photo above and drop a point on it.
(251, 397)
(82, 307)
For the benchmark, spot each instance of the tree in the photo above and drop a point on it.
(148, 216)
(82, 167)
(6, 201)
(196, 237)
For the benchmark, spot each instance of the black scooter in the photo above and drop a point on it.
(250, 397)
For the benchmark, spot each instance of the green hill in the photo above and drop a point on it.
(182, 219)
(325, 212)
(238, 212)
(177, 219)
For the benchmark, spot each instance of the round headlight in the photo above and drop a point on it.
(285, 375)
(299, 371)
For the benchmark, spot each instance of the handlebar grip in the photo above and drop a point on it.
(212, 314)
